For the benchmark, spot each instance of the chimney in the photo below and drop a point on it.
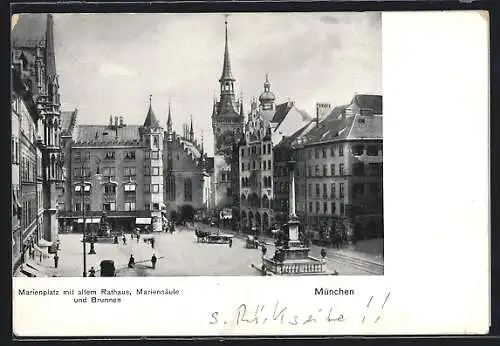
(121, 121)
(116, 121)
(322, 110)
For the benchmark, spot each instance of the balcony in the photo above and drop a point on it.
(312, 266)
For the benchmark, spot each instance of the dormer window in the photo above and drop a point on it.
(130, 155)
(110, 155)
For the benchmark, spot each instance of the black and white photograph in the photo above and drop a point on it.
(244, 144)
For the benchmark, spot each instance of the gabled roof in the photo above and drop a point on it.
(68, 119)
(281, 112)
(338, 126)
(106, 135)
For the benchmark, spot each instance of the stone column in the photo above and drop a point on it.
(293, 222)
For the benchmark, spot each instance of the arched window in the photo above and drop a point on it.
(188, 190)
(171, 187)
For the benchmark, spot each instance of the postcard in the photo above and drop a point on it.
(250, 174)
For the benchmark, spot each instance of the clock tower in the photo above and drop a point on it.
(227, 125)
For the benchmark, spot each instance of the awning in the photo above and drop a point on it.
(44, 243)
(89, 220)
(143, 221)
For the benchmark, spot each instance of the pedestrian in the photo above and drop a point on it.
(131, 262)
(230, 242)
(138, 236)
(152, 243)
(56, 260)
(264, 250)
(116, 239)
(323, 253)
(41, 257)
(92, 272)
(153, 261)
(124, 240)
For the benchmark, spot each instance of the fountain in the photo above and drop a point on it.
(292, 257)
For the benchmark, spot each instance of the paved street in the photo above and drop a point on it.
(178, 255)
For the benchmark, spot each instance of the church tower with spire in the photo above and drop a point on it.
(227, 126)
(152, 137)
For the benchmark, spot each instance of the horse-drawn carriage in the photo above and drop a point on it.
(252, 242)
(215, 238)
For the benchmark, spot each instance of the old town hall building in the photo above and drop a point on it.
(137, 174)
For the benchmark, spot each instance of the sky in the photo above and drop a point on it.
(109, 64)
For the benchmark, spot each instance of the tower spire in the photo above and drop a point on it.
(50, 58)
(191, 131)
(151, 120)
(169, 118)
(226, 67)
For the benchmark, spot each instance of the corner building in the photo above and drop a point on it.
(36, 154)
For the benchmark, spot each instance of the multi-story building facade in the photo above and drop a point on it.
(339, 172)
(227, 125)
(136, 174)
(266, 126)
(35, 110)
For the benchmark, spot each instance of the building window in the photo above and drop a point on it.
(129, 206)
(155, 188)
(147, 188)
(108, 171)
(325, 208)
(374, 188)
(316, 153)
(146, 206)
(78, 206)
(341, 150)
(357, 150)
(325, 191)
(110, 155)
(341, 169)
(358, 169)
(332, 169)
(309, 154)
(130, 155)
(341, 190)
(156, 171)
(110, 189)
(264, 164)
(317, 208)
(317, 190)
(229, 192)
(188, 190)
(155, 155)
(129, 187)
(87, 206)
(129, 172)
(332, 151)
(325, 170)
(87, 155)
(310, 207)
(342, 209)
(309, 190)
(317, 171)
(324, 152)
(372, 150)
(332, 190)
(109, 206)
(333, 207)
(76, 172)
(309, 171)
(375, 168)
(147, 171)
(242, 152)
(358, 189)
(170, 187)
